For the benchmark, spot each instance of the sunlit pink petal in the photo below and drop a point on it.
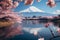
(28, 2)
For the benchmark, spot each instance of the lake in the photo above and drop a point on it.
(36, 29)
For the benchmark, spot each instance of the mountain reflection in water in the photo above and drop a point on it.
(38, 29)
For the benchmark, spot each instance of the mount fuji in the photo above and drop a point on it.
(32, 9)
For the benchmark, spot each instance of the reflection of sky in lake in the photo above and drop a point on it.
(38, 28)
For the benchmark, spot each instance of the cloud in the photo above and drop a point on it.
(56, 12)
(32, 9)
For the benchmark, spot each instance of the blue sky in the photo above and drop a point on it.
(41, 5)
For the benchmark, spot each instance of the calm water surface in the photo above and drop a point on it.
(38, 30)
(35, 29)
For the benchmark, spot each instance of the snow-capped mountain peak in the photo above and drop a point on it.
(32, 9)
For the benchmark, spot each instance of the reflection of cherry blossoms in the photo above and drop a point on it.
(58, 30)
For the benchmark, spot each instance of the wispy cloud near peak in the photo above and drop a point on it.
(56, 12)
